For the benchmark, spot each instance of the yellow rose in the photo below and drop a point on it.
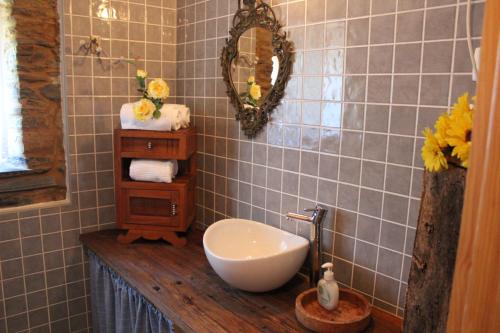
(143, 110)
(255, 91)
(158, 88)
(141, 73)
(251, 79)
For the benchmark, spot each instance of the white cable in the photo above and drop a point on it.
(469, 38)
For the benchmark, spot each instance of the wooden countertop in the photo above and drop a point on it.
(183, 286)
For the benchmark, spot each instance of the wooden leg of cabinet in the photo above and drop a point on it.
(173, 238)
(130, 236)
(168, 236)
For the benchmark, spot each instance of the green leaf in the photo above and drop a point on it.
(157, 102)
(141, 81)
(156, 114)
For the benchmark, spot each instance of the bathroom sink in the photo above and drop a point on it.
(253, 256)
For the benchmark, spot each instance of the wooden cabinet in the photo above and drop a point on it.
(155, 210)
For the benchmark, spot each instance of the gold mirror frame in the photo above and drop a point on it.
(258, 15)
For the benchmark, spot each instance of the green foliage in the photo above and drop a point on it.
(247, 99)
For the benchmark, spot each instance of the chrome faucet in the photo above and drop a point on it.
(314, 240)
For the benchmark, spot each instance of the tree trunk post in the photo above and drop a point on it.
(434, 252)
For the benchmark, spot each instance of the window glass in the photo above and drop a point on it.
(11, 134)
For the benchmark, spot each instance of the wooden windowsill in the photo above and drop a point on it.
(183, 286)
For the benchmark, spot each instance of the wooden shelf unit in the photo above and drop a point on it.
(155, 210)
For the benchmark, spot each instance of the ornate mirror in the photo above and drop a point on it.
(256, 64)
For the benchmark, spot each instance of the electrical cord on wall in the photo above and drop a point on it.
(469, 38)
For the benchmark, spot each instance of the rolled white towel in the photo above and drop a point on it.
(185, 117)
(128, 121)
(178, 112)
(153, 170)
(173, 114)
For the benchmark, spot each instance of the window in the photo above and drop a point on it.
(32, 154)
(11, 134)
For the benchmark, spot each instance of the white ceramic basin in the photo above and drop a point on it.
(253, 256)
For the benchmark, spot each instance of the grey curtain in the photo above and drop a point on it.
(119, 308)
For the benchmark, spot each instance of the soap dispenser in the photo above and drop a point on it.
(328, 289)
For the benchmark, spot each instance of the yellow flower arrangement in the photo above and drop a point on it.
(159, 89)
(156, 92)
(144, 109)
(452, 139)
(253, 93)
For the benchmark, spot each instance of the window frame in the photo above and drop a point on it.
(39, 172)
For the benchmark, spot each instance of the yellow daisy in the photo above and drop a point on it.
(462, 104)
(460, 128)
(442, 125)
(463, 152)
(432, 154)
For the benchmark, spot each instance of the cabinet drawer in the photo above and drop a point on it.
(151, 207)
(177, 145)
(148, 147)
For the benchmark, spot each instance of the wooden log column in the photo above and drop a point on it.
(434, 252)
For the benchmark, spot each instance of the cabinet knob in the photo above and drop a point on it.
(174, 209)
(149, 145)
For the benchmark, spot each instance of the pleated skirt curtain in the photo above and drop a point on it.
(119, 308)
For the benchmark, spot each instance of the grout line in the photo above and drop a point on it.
(76, 162)
(422, 49)
(299, 185)
(367, 68)
(454, 47)
(344, 64)
(414, 141)
(23, 273)
(44, 265)
(387, 153)
(4, 307)
(305, 75)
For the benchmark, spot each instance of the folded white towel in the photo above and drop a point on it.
(173, 117)
(153, 170)
(128, 120)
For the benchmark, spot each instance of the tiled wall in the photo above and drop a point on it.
(369, 75)
(43, 279)
(347, 136)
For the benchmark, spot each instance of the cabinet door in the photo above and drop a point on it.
(151, 207)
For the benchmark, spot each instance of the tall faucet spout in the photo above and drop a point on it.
(315, 240)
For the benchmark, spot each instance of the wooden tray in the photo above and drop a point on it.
(352, 314)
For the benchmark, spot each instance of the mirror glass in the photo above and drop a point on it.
(255, 68)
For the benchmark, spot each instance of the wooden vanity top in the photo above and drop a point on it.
(183, 286)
